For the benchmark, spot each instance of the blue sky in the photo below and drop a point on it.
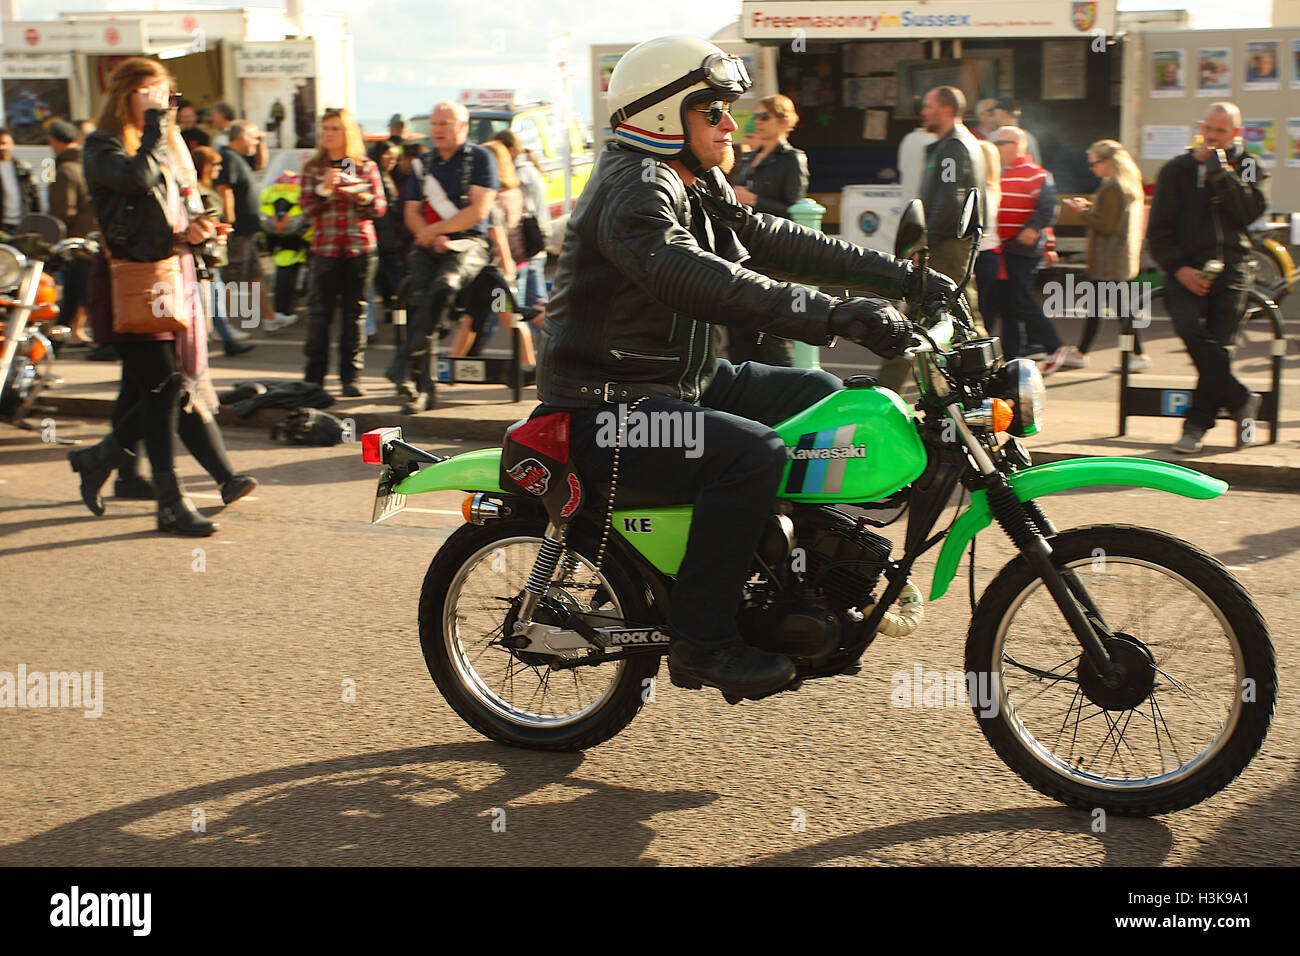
(411, 53)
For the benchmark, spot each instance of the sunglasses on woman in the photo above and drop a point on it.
(717, 109)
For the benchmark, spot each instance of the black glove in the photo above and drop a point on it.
(1215, 163)
(938, 288)
(873, 323)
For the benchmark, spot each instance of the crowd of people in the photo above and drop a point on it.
(452, 226)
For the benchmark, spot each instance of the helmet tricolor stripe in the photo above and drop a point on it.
(643, 137)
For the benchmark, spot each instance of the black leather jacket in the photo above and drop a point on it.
(1195, 217)
(635, 294)
(129, 193)
(779, 181)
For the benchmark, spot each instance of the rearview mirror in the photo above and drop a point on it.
(970, 218)
(911, 230)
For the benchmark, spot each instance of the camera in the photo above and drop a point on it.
(1216, 162)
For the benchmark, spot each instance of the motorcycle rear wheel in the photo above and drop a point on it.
(510, 696)
(1155, 748)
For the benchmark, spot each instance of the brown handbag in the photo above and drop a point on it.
(148, 297)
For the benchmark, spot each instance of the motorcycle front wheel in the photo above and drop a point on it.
(470, 593)
(1196, 698)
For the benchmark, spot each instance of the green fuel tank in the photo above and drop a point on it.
(856, 444)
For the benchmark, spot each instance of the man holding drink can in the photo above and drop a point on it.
(1204, 202)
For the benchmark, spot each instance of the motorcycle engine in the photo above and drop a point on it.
(839, 561)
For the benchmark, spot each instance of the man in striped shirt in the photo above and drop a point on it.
(1028, 207)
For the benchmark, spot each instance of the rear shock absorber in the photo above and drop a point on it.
(548, 558)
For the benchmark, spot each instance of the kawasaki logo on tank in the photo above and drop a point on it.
(818, 460)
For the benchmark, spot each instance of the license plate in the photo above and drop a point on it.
(387, 502)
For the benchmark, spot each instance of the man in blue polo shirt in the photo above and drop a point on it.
(445, 205)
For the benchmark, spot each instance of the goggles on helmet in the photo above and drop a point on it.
(723, 72)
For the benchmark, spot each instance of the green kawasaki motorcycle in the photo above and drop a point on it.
(1127, 669)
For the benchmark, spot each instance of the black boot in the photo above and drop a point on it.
(134, 488)
(736, 669)
(95, 464)
(237, 487)
(176, 513)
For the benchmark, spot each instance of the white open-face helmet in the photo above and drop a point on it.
(654, 84)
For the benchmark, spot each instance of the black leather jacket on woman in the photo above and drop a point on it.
(129, 193)
(779, 181)
(635, 292)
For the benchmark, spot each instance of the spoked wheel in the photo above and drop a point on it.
(1195, 697)
(515, 695)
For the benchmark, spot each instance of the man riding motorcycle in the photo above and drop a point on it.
(657, 249)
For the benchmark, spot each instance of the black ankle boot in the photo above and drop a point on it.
(237, 487)
(176, 513)
(95, 464)
(134, 488)
(735, 668)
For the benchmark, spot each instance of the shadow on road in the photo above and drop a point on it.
(416, 806)
(992, 838)
(1263, 546)
(1264, 831)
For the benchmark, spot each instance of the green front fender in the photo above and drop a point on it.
(1062, 476)
(473, 471)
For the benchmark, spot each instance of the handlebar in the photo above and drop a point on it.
(76, 246)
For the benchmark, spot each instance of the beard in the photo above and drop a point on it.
(728, 160)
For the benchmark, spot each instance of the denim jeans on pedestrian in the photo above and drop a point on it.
(1021, 305)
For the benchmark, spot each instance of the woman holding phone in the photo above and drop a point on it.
(137, 167)
(342, 195)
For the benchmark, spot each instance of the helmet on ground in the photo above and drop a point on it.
(654, 84)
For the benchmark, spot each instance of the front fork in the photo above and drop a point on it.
(1028, 528)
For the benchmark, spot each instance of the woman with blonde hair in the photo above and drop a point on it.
(1114, 217)
(139, 173)
(342, 195)
(990, 273)
(772, 177)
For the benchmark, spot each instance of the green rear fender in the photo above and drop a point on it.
(1062, 476)
(473, 471)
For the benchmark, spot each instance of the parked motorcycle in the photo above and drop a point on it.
(28, 298)
(1129, 670)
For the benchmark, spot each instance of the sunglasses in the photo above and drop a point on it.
(766, 116)
(717, 109)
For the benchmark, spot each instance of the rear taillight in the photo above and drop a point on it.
(374, 441)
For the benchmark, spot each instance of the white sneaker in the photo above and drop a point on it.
(237, 333)
(1075, 359)
(1136, 363)
(1054, 361)
(281, 320)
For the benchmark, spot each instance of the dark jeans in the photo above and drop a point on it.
(151, 386)
(74, 289)
(990, 288)
(436, 278)
(334, 279)
(1020, 304)
(286, 287)
(733, 481)
(202, 438)
(1207, 325)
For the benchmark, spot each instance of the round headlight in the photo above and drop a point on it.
(1023, 385)
(12, 263)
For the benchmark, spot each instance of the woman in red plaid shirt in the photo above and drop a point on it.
(341, 194)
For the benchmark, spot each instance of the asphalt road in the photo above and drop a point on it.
(225, 672)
